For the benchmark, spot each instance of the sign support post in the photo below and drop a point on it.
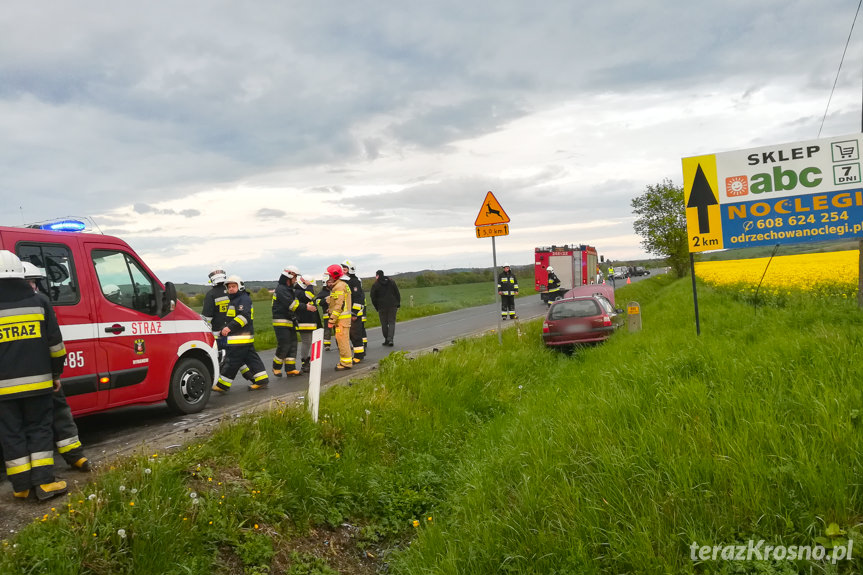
(493, 221)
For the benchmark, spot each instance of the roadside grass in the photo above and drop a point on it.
(488, 458)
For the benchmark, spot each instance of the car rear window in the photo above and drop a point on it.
(576, 308)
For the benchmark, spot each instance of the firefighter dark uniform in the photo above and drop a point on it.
(31, 359)
(358, 305)
(284, 325)
(215, 311)
(240, 346)
(507, 287)
(66, 438)
(554, 292)
(307, 320)
(322, 302)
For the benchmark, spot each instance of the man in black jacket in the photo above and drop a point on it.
(387, 300)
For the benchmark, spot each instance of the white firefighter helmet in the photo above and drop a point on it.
(551, 269)
(303, 282)
(32, 271)
(349, 265)
(10, 266)
(291, 271)
(506, 265)
(235, 279)
(217, 276)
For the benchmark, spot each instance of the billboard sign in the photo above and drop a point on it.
(787, 193)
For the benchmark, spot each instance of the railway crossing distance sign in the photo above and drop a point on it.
(787, 193)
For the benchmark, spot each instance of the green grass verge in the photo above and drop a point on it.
(511, 458)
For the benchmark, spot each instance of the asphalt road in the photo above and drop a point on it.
(113, 433)
(148, 429)
(106, 435)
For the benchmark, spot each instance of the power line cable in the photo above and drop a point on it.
(847, 42)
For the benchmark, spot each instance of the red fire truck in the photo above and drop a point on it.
(573, 265)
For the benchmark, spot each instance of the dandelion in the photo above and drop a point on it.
(120, 532)
(122, 488)
(148, 471)
(416, 523)
(131, 504)
(429, 517)
(133, 491)
(193, 495)
(337, 455)
(256, 525)
(520, 386)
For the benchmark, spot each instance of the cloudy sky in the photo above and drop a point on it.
(256, 135)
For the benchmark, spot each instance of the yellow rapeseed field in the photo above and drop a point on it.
(833, 272)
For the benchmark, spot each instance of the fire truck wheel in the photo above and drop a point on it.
(190, 386)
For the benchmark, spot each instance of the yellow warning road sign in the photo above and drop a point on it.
(491, 212)
(700, 196)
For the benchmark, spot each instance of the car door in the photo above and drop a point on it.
(129, 329)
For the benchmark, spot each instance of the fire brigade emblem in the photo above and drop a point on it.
(139, 346)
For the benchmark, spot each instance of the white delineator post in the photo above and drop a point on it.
(316, 359)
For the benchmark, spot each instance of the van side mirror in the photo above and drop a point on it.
(167, 301)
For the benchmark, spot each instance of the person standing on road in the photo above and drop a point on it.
(215, 308)
(31, 362)
(507, 288)
(308, 319)
(65, 430)
(359, 339)
(322, 301)
(553, 292)
(386, 299)
(340, 314)
(240, 333)
(285, 306)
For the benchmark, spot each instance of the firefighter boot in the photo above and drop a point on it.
(22, 495)
(49, 490)
(307, 365)
(82, 464)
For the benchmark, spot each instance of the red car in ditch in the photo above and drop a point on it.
(581, 319)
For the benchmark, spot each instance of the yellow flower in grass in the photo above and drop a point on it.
(416, 523)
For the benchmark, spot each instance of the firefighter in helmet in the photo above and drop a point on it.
(340, 314)
(31, 361)
(507, 288)
(215, 307)
(285, 305)
(308, 319)
(358, 310)
(240, 345)
(554, 291)
(65, 430)
(322, 301)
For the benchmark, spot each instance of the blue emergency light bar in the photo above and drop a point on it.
(64, 226)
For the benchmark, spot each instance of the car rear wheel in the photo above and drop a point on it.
(190, 386)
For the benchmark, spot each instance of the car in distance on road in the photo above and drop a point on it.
(639, 271)
(621, 272)
(579, 320)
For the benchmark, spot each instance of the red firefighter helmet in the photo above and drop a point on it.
(335, 271)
